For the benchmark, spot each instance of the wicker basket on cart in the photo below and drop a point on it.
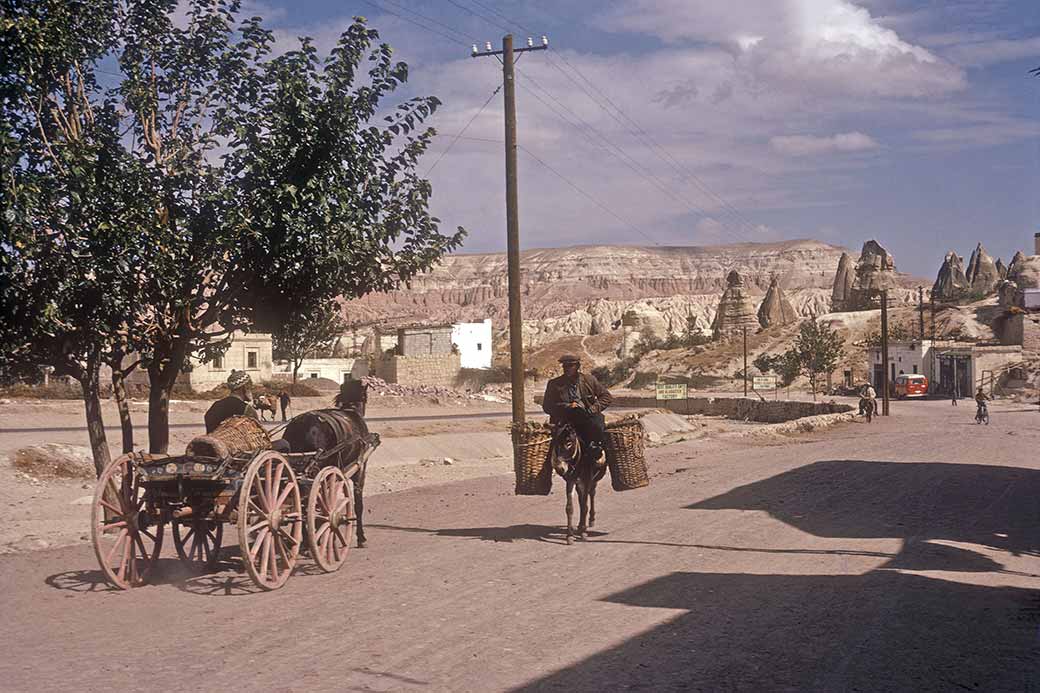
(234, 435)
(625, 454)
(531, 459)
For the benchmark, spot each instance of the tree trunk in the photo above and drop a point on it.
(295, 370)
(123, 405)
(91, 385)
(158, 412)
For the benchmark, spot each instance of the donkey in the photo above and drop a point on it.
(326, 429)
(569, 458)
(264, 403)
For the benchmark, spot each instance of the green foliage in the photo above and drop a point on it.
(209, 186)
(618, 373)
(818, 350)
(304, 335)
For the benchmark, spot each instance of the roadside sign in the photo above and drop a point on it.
(764, 382)
(671, 390)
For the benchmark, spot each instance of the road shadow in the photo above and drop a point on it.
(882, 631)
(989, 505)
(508, 534)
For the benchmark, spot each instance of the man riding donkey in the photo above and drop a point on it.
(578, 399)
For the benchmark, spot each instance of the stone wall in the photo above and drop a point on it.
(440, 370)
(742, 409)
(424, 341)
(1023, 329)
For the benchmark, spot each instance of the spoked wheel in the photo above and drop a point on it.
(270, 521)
(198, 542)
(330, 518)
(126, 539)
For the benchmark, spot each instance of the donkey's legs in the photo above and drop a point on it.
(359, 504)
(592, 504)
(583, 506)
(570, 510)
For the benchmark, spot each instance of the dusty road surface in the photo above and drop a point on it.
(901, 555)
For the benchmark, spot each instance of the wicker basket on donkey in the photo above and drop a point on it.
(531, 459)
(625, 455)
(233, 435)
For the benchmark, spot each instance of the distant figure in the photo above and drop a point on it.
(353, 394)
(235, 404)
(284, 400)
(868, 397)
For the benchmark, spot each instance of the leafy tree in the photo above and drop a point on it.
(270, 185)
(302, 335)
(818, 349)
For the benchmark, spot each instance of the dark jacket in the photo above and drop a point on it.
(591, 393)
(224, 409)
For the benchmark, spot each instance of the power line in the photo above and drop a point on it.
(451, 29)
(418, 24)
(599, 204)
(463, 131)
(480, 16)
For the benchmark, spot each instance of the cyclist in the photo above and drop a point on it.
(982, 411)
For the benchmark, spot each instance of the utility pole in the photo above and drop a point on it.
(884, 352)
(920, 311)
(745, 361)
(516, 338)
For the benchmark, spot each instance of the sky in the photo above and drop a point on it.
(697, 122)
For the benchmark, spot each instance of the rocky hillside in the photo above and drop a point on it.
(586, 289)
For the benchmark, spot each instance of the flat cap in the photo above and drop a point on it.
(569, 358)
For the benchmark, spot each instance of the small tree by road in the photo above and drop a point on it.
(302, 335)
(818, 349)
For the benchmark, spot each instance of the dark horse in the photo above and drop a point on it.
(581, 472)
(346, 432)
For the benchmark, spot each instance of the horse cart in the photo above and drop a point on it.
(278, 502)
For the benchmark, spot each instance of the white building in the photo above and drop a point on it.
(903, 357)
(334, 369)
(473, 340)
(248, 352)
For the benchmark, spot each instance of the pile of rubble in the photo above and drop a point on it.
(378, 386)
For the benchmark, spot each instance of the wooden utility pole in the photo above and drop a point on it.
(920, 311)
(884, 352)
(745, 361)
(516, 337)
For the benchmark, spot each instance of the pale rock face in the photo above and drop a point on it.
(875, 272)
(776, 309)
(585, 290)
(983, 275)
(1002, 269)
(951, 281)
(736, 310)
(841, 291)
(1016, 262)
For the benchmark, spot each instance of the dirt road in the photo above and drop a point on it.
(901, 555)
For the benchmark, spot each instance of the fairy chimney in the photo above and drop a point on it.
(736, 310)
(951, 282)
(843, 279)
(983, 275)
(875, 272)
(776, 309)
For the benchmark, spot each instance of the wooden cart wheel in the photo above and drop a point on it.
(330, 518)
(198, 541)
(270, 521)
(127, 540)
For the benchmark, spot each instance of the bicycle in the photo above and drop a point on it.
(982, 415)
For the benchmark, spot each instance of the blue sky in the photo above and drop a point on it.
(915, 123)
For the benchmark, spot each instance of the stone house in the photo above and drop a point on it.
(251, 353)
(335, 369)
(473, 342)
(951, 367)
(424, 355)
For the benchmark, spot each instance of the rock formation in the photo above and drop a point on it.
(776, 309)
(1002, 268)
(983, 275)
(841, 291)
(875, 271)
(951, 283)
(736, 310)
(1016, 263)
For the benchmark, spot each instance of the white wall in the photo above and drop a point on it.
(248, 352)
(333, 369)
(474, 342)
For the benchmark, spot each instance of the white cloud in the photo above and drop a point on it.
(825, 46)
(810, 145)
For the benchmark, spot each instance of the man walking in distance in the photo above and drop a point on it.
(284, 400)
(579, 399)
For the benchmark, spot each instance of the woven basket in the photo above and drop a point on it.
(234, 435)
(625, 456)
(534, 474)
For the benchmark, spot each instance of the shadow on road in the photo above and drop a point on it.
(882, 630)
(510, 534)
(875, 632)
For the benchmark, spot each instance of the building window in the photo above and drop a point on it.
(218, 363)
(345, 375)
(252, 359)
(915, 368)
(314, 375)
(480, 347)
